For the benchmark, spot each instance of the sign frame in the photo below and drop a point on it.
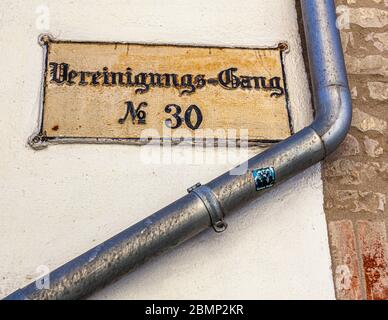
(39, 139)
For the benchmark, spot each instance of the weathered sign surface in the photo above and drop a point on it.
(131, 93)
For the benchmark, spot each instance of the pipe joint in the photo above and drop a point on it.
(334, 117)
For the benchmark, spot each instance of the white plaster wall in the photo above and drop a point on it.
(59, 202)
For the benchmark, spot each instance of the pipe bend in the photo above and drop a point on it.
(334, 116)
(331, 92)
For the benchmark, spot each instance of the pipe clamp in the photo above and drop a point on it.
(212, 205)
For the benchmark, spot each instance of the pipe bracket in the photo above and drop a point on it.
(213, 207)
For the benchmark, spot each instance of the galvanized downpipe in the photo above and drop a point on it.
(206, 206)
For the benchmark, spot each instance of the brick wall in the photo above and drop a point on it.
(356, 176)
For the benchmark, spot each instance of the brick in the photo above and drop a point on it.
(349, 172)
(368, 17)
(369, 65)
(378, 90)
(373, 248)
(357, 201)
(373, 148)
(380, 40)
(365, 122)
(346, 275)
(365, 2)
(349, 147)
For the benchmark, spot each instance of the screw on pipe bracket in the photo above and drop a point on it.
(212, 205)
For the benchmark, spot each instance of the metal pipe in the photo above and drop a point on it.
(206, 206)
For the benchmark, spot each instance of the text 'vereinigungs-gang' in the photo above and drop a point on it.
(229, 79)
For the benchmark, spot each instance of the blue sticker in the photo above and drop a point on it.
(264, 178)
